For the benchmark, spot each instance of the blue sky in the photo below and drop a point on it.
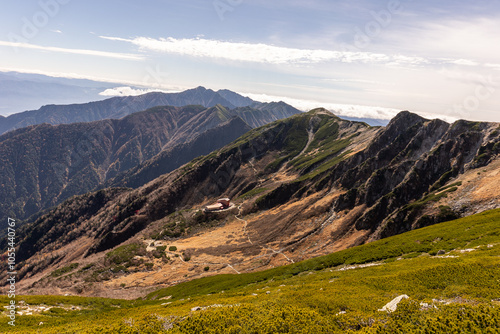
(358, 58)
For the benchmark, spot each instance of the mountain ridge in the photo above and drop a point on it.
(118, 107)
(45, 164)
(304, 186)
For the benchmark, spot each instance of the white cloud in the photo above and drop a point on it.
(260, 53)
(138, 83)
(129, 91)
(464, 62)
(270, 54)
(347, 110)
(494, 66)
(338, 109)
(465, 42)
(105, 54)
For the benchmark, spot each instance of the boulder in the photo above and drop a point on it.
(393, 304)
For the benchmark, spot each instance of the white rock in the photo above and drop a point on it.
(393, 304)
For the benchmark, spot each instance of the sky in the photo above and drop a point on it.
(358, 58)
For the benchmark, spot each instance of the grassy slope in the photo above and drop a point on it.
(308, 296)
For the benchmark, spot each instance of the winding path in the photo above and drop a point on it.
(310, 134)
(251, 242)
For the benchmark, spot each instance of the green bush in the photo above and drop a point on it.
(253, 193)
(161, 248)
(64, 270)
(262, 318)
(125, 253)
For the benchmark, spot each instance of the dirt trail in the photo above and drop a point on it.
(245, 226)
(279, 252)
(251, 242)
(310, 134)
(230, 266)
(256, 172)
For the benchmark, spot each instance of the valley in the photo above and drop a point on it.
(448, 271)
(303, 189)
(292, 200)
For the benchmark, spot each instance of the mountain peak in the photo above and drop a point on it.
(235, 98)
(201, 89)
(406, 118)
(320, 111)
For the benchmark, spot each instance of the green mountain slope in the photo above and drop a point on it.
(302, 187)
(450, 271)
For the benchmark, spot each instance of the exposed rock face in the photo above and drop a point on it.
(393, 304)
(403, 163)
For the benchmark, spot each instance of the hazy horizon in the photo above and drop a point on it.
(361, 58)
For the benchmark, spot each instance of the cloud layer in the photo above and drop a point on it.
(259, 52)
(105, 54)
(348, 110)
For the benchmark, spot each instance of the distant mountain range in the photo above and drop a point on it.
(42, 165)
(118, 107)
(46, 100)
(22, 91)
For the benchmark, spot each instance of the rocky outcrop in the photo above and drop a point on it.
(403, 163)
